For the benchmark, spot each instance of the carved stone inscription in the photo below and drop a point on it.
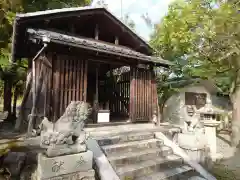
(61, 165)
(57, 166)
(87, 175)
(80, 162)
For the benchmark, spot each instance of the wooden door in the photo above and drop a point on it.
(143, 95)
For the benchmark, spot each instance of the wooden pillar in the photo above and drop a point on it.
(96, 103)
(36, 89)
(56, 87)
(46, 95)
(155, 109)
(97, 69)
(132, 103)
(85, 80)
(31, 119)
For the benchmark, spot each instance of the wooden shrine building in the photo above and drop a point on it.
(86, 54)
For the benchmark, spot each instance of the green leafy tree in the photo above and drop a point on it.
(202, 38)
(13, 76)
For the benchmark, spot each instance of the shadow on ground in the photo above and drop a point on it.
(228, 168)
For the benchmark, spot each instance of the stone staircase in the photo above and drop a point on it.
(137, 155)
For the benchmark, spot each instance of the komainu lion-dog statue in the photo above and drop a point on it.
(66, 135)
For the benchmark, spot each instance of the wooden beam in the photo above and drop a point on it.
(116, 40)
(33, 111)
(96, 105)
(72, 29)
(133, 95)
(85, 80)
(116, 64)
(46, 62)
(46, 94)
(96, 33)
(37, 87)
(108, 58)
(97, 72)
(155, 97)
(56, 87)
(56, 16)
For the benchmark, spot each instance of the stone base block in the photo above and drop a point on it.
(198, 155)
(195, 146)
(62, 165)
(60, 150)
(192, 141)
(87, 175)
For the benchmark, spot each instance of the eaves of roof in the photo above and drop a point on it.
(94, 45)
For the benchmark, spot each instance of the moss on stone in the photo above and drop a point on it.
(222, 172)
(5, 148)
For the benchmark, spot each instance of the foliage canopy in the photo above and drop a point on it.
(202, 37)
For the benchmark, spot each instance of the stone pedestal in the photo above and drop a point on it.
(74, 167)
(194, 145)
(210, 127)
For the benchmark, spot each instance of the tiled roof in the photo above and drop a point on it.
(85, 43)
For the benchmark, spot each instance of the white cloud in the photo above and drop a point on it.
(156, 9)
(136, 17)
(159, 10)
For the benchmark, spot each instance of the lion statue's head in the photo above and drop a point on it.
(78, 111)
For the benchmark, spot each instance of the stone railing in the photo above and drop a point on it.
(187, 159)
(103, 167)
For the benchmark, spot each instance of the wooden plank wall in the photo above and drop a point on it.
(42, 103)
(143, 94)
(69, 83)
(119, 104)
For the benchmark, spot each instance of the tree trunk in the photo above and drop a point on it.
(26, 94)
(7, 97)
(15, 97)
(161, 107)
(235, 98)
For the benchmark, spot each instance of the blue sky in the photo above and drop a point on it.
(155, 9)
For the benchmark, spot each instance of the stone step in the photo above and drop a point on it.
(148, 167)
(116, 127)
(195, 178)
(125, 137)
(132, 146)
(121, 159)
(169, 174)
(98, 133)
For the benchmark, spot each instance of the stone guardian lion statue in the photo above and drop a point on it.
(67, 132)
